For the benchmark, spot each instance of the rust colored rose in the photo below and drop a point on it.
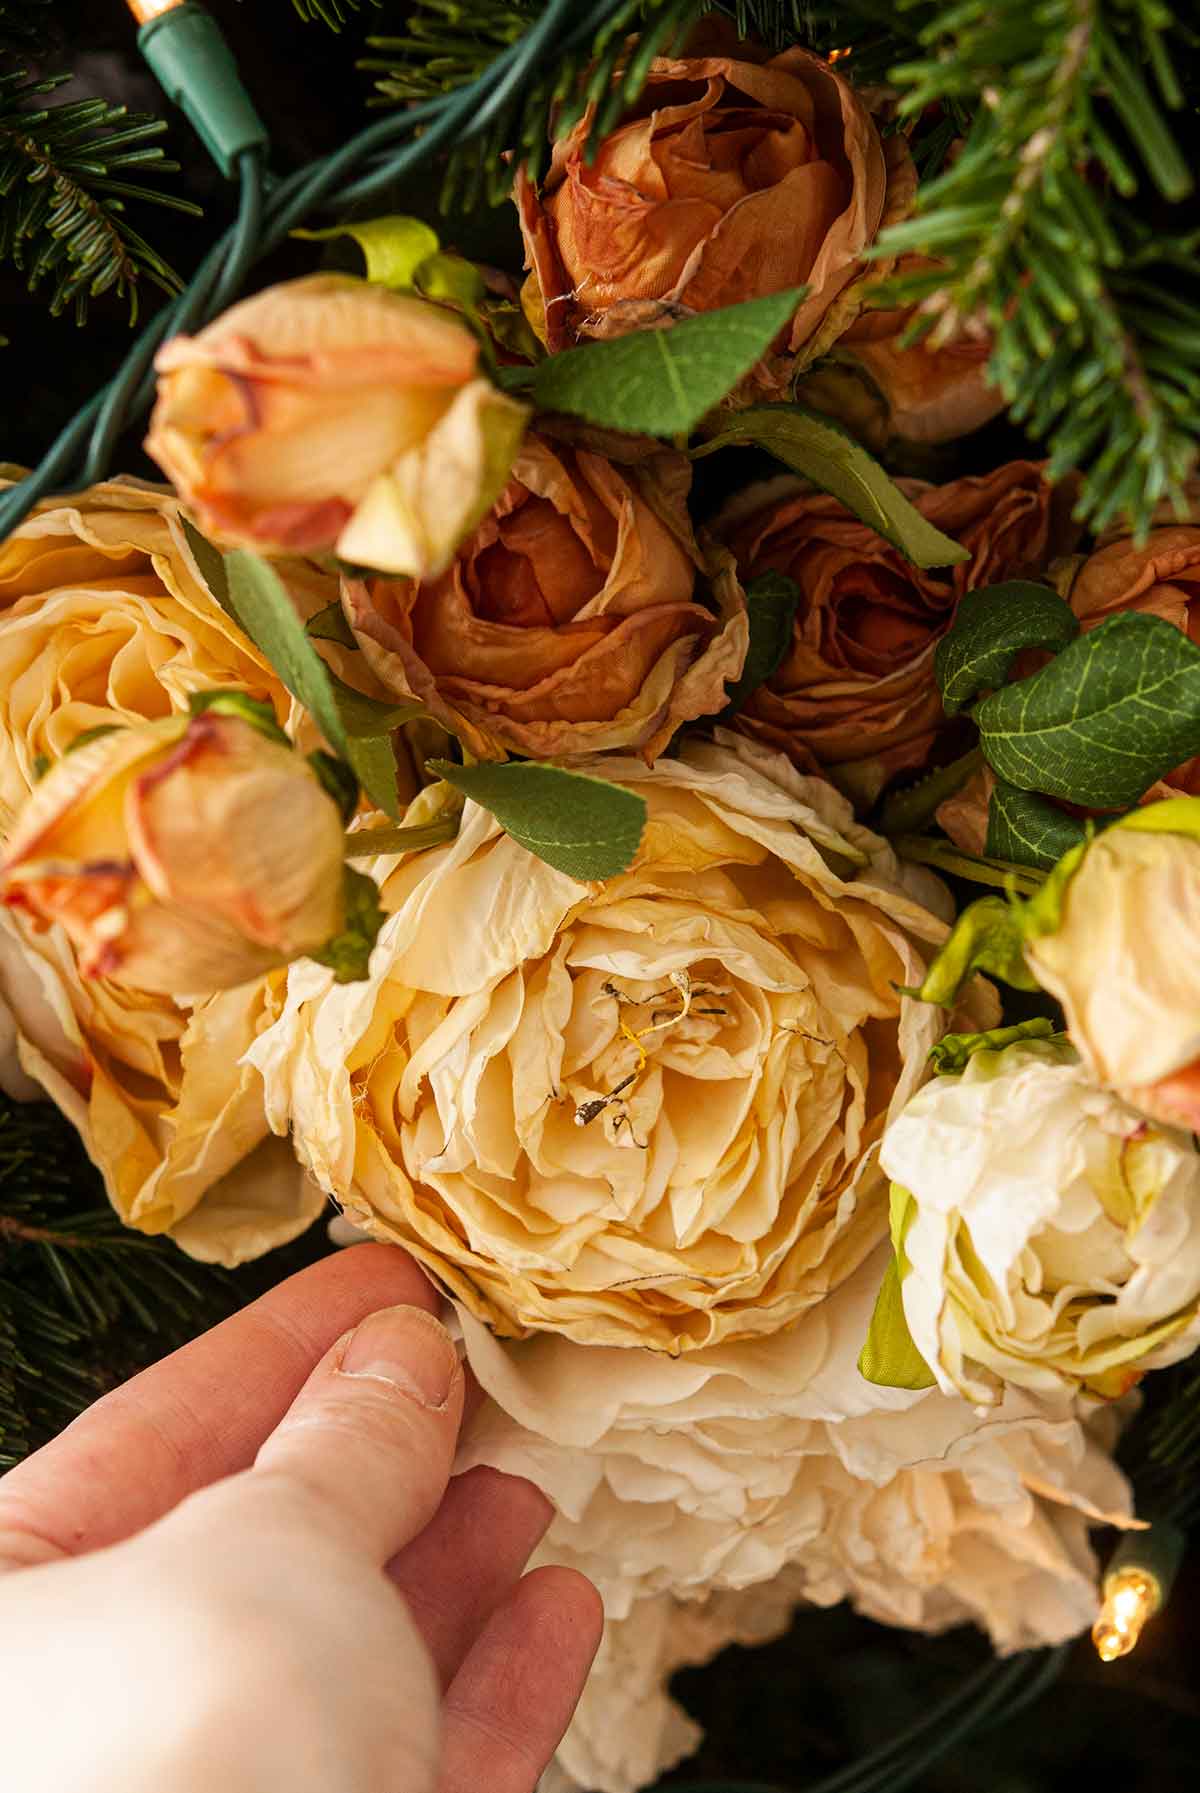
(856, 695)
(885, 391)
(730, 179)
(578, 616)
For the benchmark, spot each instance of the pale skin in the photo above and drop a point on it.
(248, 1570)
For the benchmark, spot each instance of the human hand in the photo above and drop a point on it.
(195, 1596)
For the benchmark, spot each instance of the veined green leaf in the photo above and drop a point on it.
(991, 627)
(662, 382)
(355, 726)
(1028, 830)
(825, 453)
(583, 826)
(1114, 711)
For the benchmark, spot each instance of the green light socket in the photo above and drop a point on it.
(196, 68)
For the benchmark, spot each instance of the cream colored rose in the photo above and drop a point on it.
(708, 1495)
(1050, 1235)
(639, 1112)
(105, 621)
(329, 413)
(1122, 958)
(190, 854)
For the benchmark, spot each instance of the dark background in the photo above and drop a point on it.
(790, 1713)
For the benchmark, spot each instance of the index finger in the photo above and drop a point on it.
(200, 1414)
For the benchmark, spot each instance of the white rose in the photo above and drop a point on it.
(749, 1476)
(637, 1112)
(1051, 1233)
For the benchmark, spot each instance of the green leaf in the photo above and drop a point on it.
(89, 734)
(911, 807)
(355, 726)
(771, 601)
(827, 455)
(335, 777)
(954, 1051)
(662, 382)
(991, 627)
(369, 843)
(583, 826)
(1028, 830)
(330, 625)
(393, 246)
(889, 1358)
(348, 954)
(1116, 710)
(255, 710)
(945, 857)
(211, 563)
(988, 936)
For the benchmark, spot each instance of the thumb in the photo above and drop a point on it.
(368, 1442)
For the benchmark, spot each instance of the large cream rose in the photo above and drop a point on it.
(638, 1112)
(105, 619)
(706, 1496)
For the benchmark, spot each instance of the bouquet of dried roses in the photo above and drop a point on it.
(503, 786)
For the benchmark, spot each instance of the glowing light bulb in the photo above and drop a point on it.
(145, 10)
(1131, 1596)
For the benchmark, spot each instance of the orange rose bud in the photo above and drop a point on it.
(884, 392)
(332, 414)
(576, 617)
(729, 179)
(181, 857)
(856, 696)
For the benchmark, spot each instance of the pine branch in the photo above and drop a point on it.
(1041, 228)
(83, 1302)
(334, 13)
(448, 44)
(66, 174)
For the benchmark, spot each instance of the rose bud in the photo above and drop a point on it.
(886, 392)
(576, 617)
(1123, 958)
(332, 414)
(1048, 1237)
(856, 695)
(187, 855)
(729, 179)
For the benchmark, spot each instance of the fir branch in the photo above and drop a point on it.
(83, 1301)
(1040, 226)
(66, 174)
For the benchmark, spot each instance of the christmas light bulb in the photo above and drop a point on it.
(145, 10)
(1131, 1596)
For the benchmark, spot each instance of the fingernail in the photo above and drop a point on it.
(408, 1348)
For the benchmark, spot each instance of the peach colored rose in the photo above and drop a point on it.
(885, 392)
(576, 617)
(190, 854)
(328, 413)
(730, 178)
(639, 1111)
(856, 695)
(105, 621)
